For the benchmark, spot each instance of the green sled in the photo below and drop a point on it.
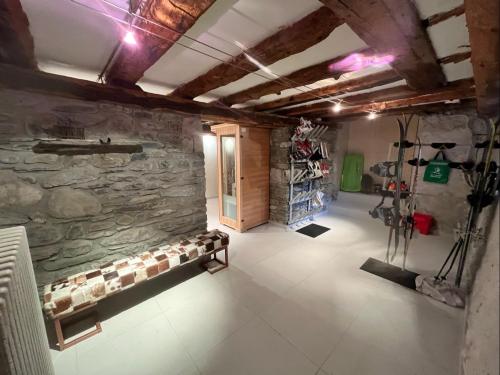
(352, 172)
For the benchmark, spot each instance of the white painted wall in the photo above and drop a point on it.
(210, 151)
(372, 139)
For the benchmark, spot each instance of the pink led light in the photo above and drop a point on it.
(129, 38)
(358, 61)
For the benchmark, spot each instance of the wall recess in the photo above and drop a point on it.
(84, 148)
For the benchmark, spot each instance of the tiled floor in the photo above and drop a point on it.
(288, 304)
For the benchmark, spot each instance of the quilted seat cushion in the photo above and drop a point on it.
(66, 296)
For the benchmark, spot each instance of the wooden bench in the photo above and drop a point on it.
(76, 294)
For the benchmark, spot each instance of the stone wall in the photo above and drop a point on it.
(81, 211)
(279, 175)
(447, 203)
(280, 172)
(481, 346)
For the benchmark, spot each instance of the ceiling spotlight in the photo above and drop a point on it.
(337, 107)
(129, 38)
(372, 115)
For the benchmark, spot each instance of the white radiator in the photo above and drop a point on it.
(24, 348)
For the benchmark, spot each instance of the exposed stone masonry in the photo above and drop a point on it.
(447, 203)
(279, 174)
(84, 210)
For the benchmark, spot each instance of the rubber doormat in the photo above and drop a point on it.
(389, 272)
(313, 230)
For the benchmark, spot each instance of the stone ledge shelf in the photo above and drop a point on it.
(84, 148)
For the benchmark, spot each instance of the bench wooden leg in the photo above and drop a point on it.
(215, 265)
(66, 344)
(226, 256)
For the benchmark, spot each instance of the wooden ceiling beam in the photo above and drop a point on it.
(394, 97)
(131, 61)
(16, 42)
(417, 109)
(355, 84)
(15, 78)
(402, 91)
(483, 18)
(289, 41)
(351, 85)
(301, 77)
(394, 27)
(455, 58)
(443, 16)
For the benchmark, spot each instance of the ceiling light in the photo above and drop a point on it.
(129, 38)
(372, 116)
(337, 107)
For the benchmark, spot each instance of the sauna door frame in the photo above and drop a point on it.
(233, 130)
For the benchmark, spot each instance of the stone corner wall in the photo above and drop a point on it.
(279, 175)
(447, 203)
(81, 211)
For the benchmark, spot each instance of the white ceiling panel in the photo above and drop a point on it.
(450, 36)
(62, 69)
(458, 71)
(427, 8)
(225, 23)
(72, 34)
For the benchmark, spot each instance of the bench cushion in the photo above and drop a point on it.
(72, 294)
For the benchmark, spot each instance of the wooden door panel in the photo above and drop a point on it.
(254, 170)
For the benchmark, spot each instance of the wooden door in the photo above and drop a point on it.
(228, 176)
(254, 176)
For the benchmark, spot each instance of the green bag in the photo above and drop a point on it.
(438, 170)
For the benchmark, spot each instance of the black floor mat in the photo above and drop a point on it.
(313, 230)
(390, 272)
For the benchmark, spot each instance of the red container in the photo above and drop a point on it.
(423, 222)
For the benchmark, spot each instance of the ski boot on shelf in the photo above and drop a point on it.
(303, 130)
(314, 169)
(385, 169)
(325, 168)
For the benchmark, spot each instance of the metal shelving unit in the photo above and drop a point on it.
(302, 187)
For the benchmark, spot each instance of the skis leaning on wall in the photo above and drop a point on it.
(398, 216)
(400, 222)
(408, 221)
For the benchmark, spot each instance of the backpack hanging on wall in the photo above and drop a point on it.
(438, 170)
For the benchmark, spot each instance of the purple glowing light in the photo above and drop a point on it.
(129, 38)
(358, 61)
